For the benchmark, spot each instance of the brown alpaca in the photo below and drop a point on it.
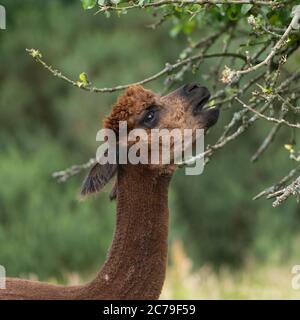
(136, 262)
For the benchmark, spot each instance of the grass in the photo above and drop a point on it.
(252, 282)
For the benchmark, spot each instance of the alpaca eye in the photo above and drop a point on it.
(150, 118)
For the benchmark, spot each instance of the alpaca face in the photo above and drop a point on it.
(140, 108)
(180, 110)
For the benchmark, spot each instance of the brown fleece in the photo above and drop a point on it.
(136, 262)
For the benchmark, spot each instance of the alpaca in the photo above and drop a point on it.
(136, 262)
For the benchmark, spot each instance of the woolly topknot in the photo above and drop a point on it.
(132, 102)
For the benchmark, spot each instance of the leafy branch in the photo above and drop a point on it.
(85, 85)
(143, 4)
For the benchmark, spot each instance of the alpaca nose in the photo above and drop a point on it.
(192, 89)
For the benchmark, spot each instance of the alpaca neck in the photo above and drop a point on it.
(136, 262)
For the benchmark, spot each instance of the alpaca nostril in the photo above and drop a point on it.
(193, 87)
(189, 88)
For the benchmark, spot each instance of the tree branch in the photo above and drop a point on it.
(279, 184)
(181, 3)
(271, 119)
(282, 195)
(64, 175)
(229, 75)
(36, 54)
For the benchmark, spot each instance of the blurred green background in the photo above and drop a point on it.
(47, 125)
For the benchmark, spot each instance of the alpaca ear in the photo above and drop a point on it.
(98, 177)
(113, 192)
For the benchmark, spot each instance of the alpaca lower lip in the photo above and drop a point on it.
(211, 116)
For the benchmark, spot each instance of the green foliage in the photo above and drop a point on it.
(44, 229)
(188, 18)
(88, 4)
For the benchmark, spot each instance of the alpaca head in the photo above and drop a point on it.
(140, 108)
(182, 108)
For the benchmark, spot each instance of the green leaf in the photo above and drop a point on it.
(88, 4)
(233, 12)
(175, 30)
(189, 26)
(245, 8)
(84, 79)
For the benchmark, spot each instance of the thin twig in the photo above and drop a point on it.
(279, 184)
(271, 119)
(168, 68)
(64, 175)
(267, 141)
(288, 103)
(292, 189)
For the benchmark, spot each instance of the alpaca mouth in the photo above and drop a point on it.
(197, 108)
(210, 116)
(200, 97)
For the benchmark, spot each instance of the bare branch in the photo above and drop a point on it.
(288, 103)
(292, 189)
(64, 175)
(271, 119)
(168, 68)
(279, 184)
(267, 141)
